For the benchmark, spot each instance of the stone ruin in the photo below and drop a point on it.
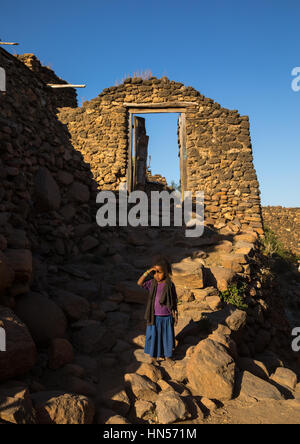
(68, 295)
(60, 97)
(214, 144)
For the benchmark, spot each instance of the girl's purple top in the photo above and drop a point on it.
(159, 310)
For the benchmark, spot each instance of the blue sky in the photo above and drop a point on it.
(238, 53)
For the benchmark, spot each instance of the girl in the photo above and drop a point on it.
(161, 311)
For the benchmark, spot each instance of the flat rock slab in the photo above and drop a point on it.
(285, 377)
(75, 307)
(257, 388)
(16, 406)
(55, 407)
(46, 191)
(188, 272)
(170, 408)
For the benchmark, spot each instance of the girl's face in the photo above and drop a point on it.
(159, 273)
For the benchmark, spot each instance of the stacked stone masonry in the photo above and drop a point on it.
(60, 97)
(88, 312)
(285, 222)
(47, 193)
(218, 145)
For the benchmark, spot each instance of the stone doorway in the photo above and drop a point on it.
(139, 143)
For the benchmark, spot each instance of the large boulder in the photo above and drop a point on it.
(188, 272)
(285, 377)
(176, 370)
(132, 292)
(141, 387)
(116, 400)
(150, 371)
(236, 320)
(79, 192)
(256, 388)
(245, 248)
(60, 353)
(170, 407)
(233, 261)
(93, 337)
(75, 307)
(143, 409)
(69, 378)
(44, 319)
(211, 370)
(20, 354)
(16, 406)
(7, 274)
(227, 341)
(246, 237)
(221, 277)
(47, 193)
(20, 261)
(56, 407)
(18, 239)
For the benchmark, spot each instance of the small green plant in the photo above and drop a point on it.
(235, 295)
(151, 417)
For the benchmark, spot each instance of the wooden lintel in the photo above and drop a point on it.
(61, 85)
(153, 110)
(160, 105)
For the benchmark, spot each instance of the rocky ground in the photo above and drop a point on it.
(69, 304)
(75, 341)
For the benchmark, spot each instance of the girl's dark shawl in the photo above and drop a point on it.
(167, 298)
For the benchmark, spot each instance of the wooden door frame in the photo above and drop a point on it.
(150, 108)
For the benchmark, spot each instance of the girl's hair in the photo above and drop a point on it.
(163, 262)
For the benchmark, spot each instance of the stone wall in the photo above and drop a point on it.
(60, 97)
(218, 145)
(285, 222)
(155, 178)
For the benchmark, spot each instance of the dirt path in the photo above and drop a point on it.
(130, 254)
(257, 412)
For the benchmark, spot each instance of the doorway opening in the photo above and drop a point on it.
(157, 149)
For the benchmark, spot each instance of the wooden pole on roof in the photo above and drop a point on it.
(7, 43)
(67, 85)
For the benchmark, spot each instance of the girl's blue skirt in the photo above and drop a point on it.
(160, 337)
